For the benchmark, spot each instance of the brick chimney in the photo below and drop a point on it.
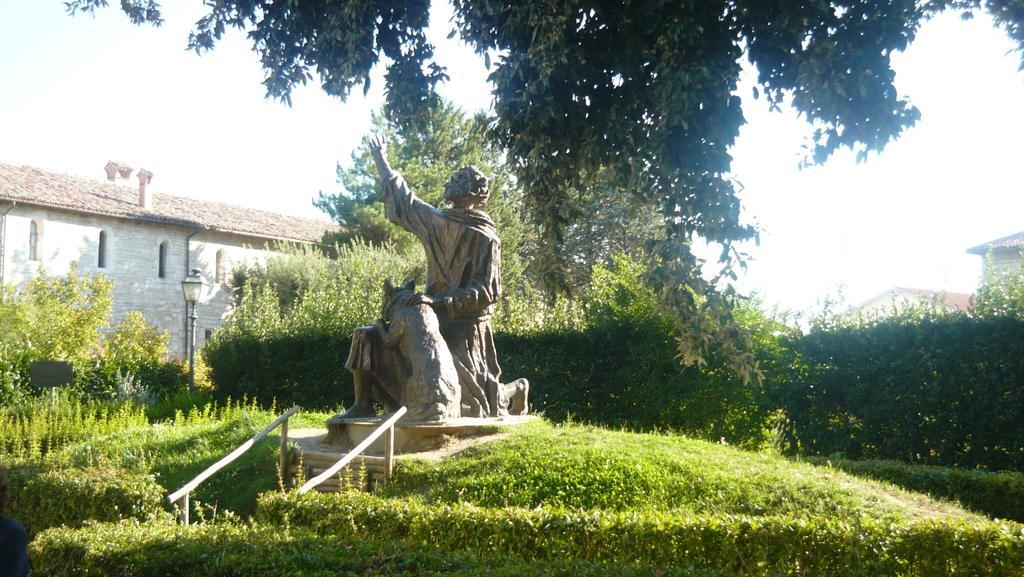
(145, 198)
(115, 169)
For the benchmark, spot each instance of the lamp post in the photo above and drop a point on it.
(192, 286)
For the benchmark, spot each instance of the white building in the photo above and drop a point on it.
(147, 243)
(1004, 253)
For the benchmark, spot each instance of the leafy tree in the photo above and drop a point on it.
(610, 221)
(641, 91)
(427, 154)
(59, 317)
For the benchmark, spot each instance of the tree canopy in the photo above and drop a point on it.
(636, 94)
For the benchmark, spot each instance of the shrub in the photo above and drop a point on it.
(999, 495)
(43, 497)
(627, 376)
(135, 345)
(51, 318)
(134, 364)
(228, 550)
(14, 363)
(942, 390)
(294, 365)
(726, 545)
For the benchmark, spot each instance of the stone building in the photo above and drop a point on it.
(145, 242)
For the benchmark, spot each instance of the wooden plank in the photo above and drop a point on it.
(389, 453)
(191, 485)
(355, 452)
(184, 508)
(282, 464)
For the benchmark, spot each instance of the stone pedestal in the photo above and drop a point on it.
(415, 438)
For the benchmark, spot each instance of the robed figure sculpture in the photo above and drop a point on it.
(463, 285)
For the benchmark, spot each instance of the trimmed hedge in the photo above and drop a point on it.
(568, 378)
(726, 545)
(999, 495)
(939, 391)
(305, 368)
(41, 498)
(611, 374)
(225, 550)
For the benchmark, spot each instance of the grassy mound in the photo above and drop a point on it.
(176, 452)
(661, 501)
(579, 467)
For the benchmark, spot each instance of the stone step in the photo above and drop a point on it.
(367, 471)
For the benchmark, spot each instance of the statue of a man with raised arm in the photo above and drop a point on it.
(463, 284)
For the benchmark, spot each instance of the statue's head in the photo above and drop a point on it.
(393, 294)
(467, 188)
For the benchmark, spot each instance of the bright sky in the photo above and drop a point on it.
(76, 92)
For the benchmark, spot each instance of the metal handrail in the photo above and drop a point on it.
(182, 493)
(389, 426)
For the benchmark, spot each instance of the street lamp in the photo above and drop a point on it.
(192, 286)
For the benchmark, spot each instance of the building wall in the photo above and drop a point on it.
(236, 251)
(132, 262)
(1002, 261)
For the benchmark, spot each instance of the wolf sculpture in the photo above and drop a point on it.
(431, 391)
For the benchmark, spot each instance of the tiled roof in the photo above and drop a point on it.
(1007, 242)
(33, 186)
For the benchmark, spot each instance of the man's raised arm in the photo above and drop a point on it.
(400, 204)
(379, 151)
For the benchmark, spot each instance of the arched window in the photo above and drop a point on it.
(222, 265)
(33, 241)
(101, 259)
(163, 260)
